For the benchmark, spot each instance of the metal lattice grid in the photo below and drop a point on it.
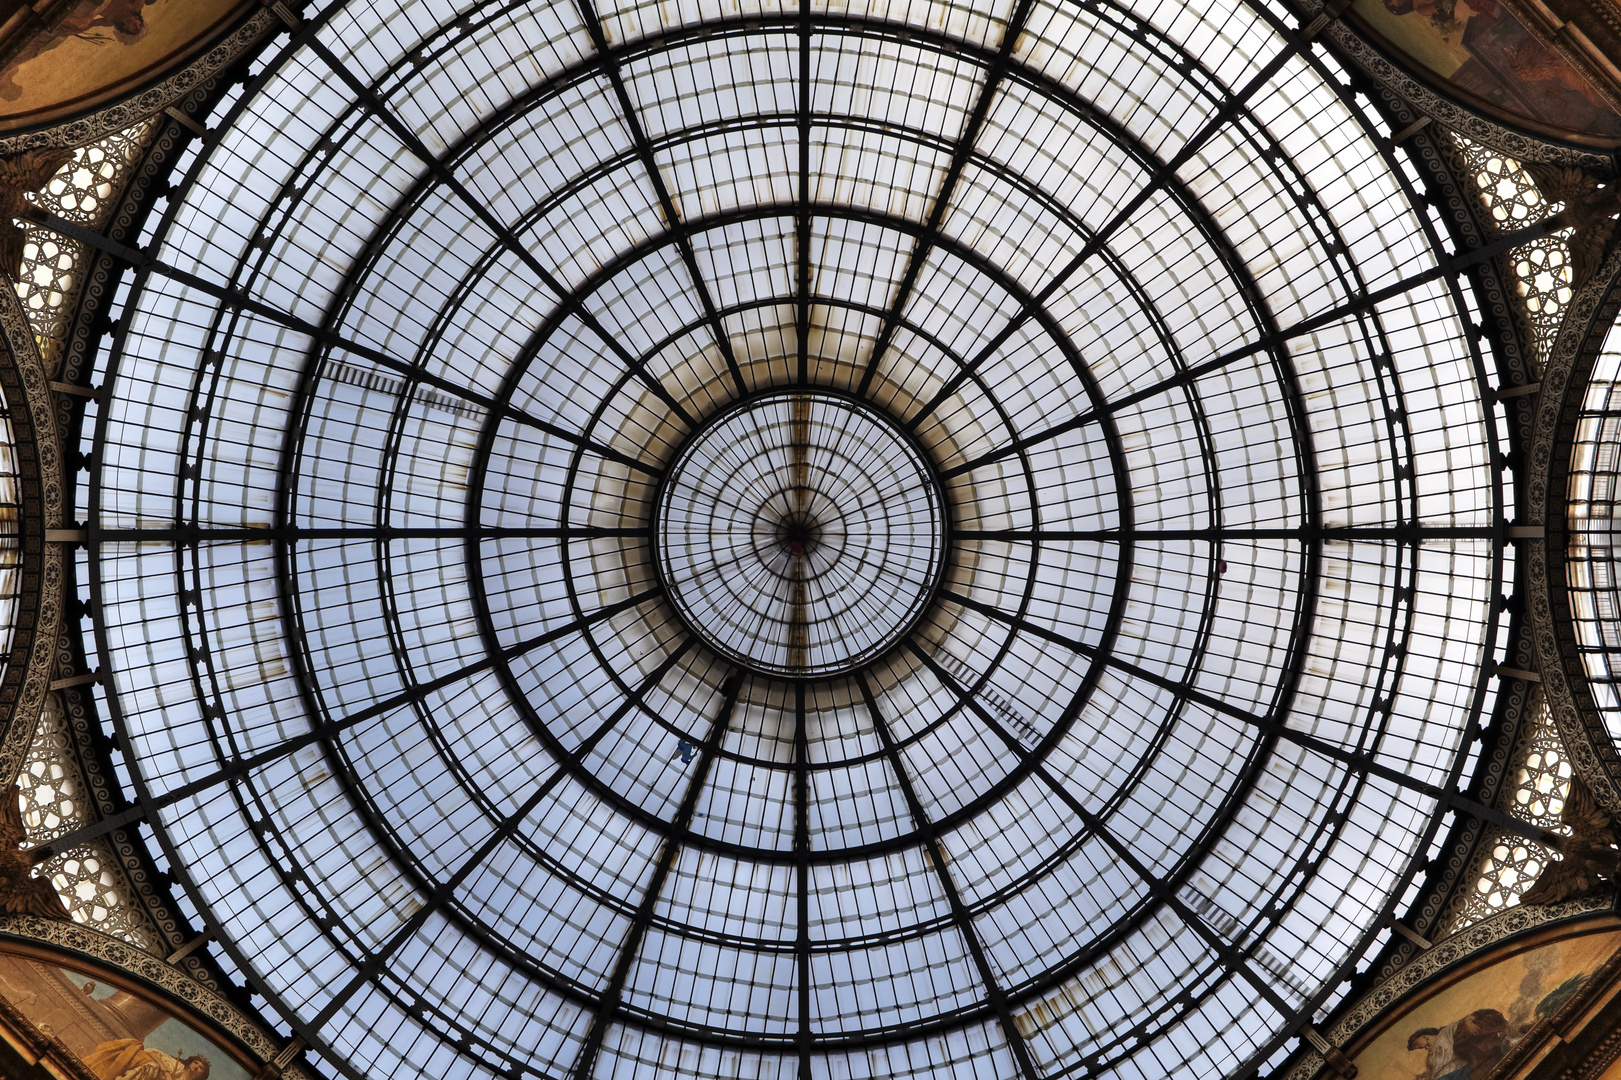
(97, 893)
(416, 717)
(1591, 565)
(51, 783)
(800, 534)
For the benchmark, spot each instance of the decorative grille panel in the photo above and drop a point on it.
(54, 801)
(1542, 272)
(83, 192)
(1542, 775)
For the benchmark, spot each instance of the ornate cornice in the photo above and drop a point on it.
(1601, 1055)
(27, 675)
(52, 1056)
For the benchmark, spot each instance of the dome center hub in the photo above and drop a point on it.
(800, 533)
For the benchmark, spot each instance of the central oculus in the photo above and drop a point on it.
(800, 533)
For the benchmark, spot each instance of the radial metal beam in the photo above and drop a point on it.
(71, 839)
(321, 730)
(142, 811)
(374, 961)
(921, 248)
(802, 214)
(504, 831)
(802, 940)
(233, 298)
(995, 996)
(1360, 761)
(208, 534)
(379, 108)
(1263, 343)
(1410, 533)
(585, 1063)
(1231, 957)
(609, 65)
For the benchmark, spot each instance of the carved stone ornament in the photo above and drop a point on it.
(93, 946)
(23, 175)
(1593, 755)
(26, 678)
(20, 890)
(1395, 991)
(1587, 855)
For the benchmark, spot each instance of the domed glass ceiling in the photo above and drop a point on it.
(753, 541)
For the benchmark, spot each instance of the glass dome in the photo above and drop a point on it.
(698, 539)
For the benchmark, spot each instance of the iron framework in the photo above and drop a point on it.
(445, 533)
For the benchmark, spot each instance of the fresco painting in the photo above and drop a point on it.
(1462, 1032)
(1479, 47)
(103, 48)
(118, 1035)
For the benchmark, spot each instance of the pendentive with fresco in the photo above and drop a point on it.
(75, 1008)
(63, 59)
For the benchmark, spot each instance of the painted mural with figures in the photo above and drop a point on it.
(116, 1033)
(103, 49)
(1463, 1031)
